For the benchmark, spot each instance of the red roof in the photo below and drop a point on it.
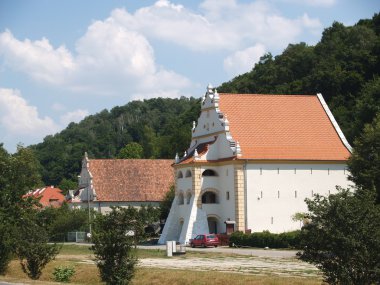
(132, 180)
(50, 196)
(282, 127)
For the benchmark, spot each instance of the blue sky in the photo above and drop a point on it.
(63, 60)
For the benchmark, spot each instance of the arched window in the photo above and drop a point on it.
(188, 173)
(180, 199)
(179, 174)
(209, 198)
(188, 198)
(209, 172)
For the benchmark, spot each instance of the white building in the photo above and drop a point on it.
(104, 183)
(252, 161)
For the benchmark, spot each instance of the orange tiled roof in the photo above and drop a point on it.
(49, 196)
(285, 127)
(132, 180)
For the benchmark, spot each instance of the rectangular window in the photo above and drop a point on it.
(228, 195)
(328, 171)
(278, 194)
(311, 170)
(271, 220)
(278, 170)
(295, 170)
(261, 194)
(261, 171)
(295, 194)
(312, 193)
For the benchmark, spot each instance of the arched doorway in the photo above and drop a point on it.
(212, 225)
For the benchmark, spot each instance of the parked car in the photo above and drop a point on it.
(205, 240)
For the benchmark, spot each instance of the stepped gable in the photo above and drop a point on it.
(284, 127)
(135, 180)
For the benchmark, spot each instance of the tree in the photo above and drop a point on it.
(343, 237)
(131, 150)
(19, 174)
(113, 240)
(364, 163)
(32, 248)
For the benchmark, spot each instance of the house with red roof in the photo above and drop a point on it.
(122, 182)
(48, 196)
(252, 161)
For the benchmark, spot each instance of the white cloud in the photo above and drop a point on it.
(115, 56)
(315, 3)
(243, 61)
(38, 59)
(220, 24)
(74, 116)
(110, 59)
(19, 118)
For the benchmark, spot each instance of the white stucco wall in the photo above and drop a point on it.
(275, 192)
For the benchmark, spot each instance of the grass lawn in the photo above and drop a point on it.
(87, 273)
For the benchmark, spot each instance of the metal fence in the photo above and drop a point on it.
(76, 236)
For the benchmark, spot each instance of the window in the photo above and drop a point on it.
(295, 194)
(227, 195)
(188, 173)
(261, 171)
(295, 170)
(180, 199)
(209, 198)
(209, 172)
(188, 198)
(179, 174)
(278, 170)
(278, 194)
(271, 220)
(261, 194)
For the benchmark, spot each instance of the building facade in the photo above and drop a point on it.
(252, 161)
(104, 183)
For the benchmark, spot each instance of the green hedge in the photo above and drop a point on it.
(266, 239)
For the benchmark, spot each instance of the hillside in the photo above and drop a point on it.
(161, 126)
(344, 66)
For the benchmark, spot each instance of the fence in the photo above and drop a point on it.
(76, 236)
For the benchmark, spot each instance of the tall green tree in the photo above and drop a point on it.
(19, 174)
(343, 237)
(112, 247)
(131, 150)
(364, 163)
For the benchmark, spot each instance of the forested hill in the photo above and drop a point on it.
(161, 126)
(344, 66)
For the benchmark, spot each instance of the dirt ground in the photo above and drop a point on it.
(262, 262)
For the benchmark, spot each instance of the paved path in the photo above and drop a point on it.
(274, 253)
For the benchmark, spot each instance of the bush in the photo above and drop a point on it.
(63, 274)
(266, 239)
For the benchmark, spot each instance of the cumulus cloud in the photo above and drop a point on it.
(110, 59)
(115, 55)
(20, 118)
(315, 3)
(37, 58)
(219, 24)
(74, 116)
(243, 61)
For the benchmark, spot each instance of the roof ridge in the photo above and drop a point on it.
(258, 94)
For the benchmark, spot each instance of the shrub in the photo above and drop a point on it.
(63, 274)
(266, 239)
(112, 245)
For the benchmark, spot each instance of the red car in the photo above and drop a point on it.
(205, 240)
